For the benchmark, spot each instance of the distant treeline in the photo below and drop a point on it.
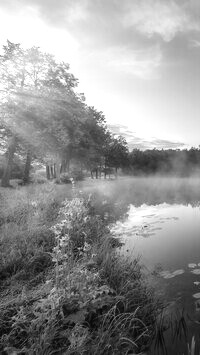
(173, 162)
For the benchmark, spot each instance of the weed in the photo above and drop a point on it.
(89, 300)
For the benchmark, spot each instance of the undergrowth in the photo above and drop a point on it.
(65, 289)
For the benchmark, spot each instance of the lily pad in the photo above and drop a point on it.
(178, 272)
(196, 295)
(197, 283)
(169, 276)
(196, 271)
(197, 305)
(164, 273)
(192, 265)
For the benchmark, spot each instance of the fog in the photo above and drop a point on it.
(151, 190)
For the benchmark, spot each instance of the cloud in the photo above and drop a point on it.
(195, 43)
(112, 43)
(130, 36)
(141, 143)
(163, 18)
(115, 19)
(142, 63)
(131, 33)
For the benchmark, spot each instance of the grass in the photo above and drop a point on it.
(25, 219)
(64, 288)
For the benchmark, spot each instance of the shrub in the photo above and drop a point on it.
(38, 178)
(92, 301)
(65, 178)
(77, 175)
(17, 169)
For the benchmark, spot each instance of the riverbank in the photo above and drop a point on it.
(64, 289)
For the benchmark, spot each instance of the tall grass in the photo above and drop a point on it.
(26, 215)
(65, 288)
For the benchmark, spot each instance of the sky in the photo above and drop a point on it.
(138, 61)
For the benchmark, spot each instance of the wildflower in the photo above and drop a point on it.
(48, 282)
(86, 247)
(34, 203)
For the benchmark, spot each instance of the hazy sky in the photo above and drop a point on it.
(136, 60)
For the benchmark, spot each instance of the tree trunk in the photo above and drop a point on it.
(68, 166)
(58, 168)
(48, 172)
(51, 169)
(105, 171)
(5, 181)
(54, 170)
(26, 177)
(63, 166)
(116, 173)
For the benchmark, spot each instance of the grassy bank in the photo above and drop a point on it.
(64, 288)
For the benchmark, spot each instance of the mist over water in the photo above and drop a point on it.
(160, 222)
(152, 190)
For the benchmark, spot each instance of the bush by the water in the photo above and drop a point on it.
(65, 290)
(74, 175)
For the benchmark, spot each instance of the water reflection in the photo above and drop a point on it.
(164, 234)
(159, 218)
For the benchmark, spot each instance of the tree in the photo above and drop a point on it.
(95, 140)
(38, 99)
(42, 116)
(117, 153)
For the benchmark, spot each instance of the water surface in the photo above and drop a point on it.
(160, 221)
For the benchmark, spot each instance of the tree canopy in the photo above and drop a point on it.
(43, 115)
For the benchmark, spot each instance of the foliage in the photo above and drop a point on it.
(35, 86)
(65, 178)
(43, 117)
(77, 175)
(170, 161)
(26, 216)
(117, 152)
(192, 347)
(78, 296)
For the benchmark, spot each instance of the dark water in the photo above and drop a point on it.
(161, 223)
(164, 235)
